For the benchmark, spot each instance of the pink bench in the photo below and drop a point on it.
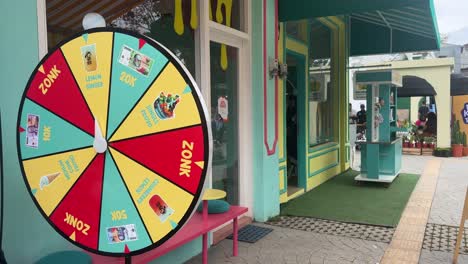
(198, 225)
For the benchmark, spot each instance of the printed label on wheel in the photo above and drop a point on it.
(113, 141)
(92, 72)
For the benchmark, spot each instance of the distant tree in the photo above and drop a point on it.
(155, 19)
(141, 17)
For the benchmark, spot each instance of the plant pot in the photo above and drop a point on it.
(406, 144)
(465, 151)
(457, 150)
(411, 145)
(432, 145)
(418, 144)
(445, 153)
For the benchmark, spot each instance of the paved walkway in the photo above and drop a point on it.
(285, 245)
(291, 246)
(408, 238)
(450, 193)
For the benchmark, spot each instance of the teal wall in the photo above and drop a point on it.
(265, 168)
(27, 236)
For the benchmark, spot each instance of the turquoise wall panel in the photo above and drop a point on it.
(266, 184)
(372, 166)
(27, 236)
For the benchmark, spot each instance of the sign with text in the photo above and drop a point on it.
(360, 91)
(464, 113)
(113, 141)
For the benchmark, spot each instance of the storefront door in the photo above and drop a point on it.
(295, 122)
(225, 119)
(225, 80)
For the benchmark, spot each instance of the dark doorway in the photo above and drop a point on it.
(294, 82)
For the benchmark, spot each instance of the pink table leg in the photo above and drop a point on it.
(205, 249)
(205, 236)
(234, 237)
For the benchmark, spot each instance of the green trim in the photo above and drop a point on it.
(348, 152)
(374, 76)
(283, 56)
(326, 167)
(434, 22)
(293, 39)
(299, 9)
(342, 90)
(295, 54)
(323, 146)
(285, 179)
(347, 52)
(414, 22)
(312, 156)
(301, 116)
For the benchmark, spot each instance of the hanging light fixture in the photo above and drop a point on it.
(93, 20)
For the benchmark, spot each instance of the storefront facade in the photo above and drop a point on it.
(324, 36)
(313, 98)
(227, 46)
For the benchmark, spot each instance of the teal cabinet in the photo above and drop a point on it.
(384, 160)
(381, 153)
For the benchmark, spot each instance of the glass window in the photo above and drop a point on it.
(171, 25)
(297, 29)
(228, 13)
(224, 121)
(323, 93)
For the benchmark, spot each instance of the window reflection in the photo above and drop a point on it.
(323, 96)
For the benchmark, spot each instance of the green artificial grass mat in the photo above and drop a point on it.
(341, 199)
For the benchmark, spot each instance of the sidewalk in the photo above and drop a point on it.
(289, 245)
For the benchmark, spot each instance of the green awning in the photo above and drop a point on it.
(376, 26)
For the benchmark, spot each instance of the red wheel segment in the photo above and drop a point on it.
(78, 213)
(55, 89)
(176, 155)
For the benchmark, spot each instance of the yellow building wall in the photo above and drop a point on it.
(327, 160)
(437, 73)
(414, 108)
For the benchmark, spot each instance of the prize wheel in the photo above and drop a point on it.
(113, 141)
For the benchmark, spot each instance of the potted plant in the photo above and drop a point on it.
(411, 142)
(405, 142)
(428, 142)
(418, 143)
(457, 146)
(432, 143)
(465, 147)
(442, 152)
